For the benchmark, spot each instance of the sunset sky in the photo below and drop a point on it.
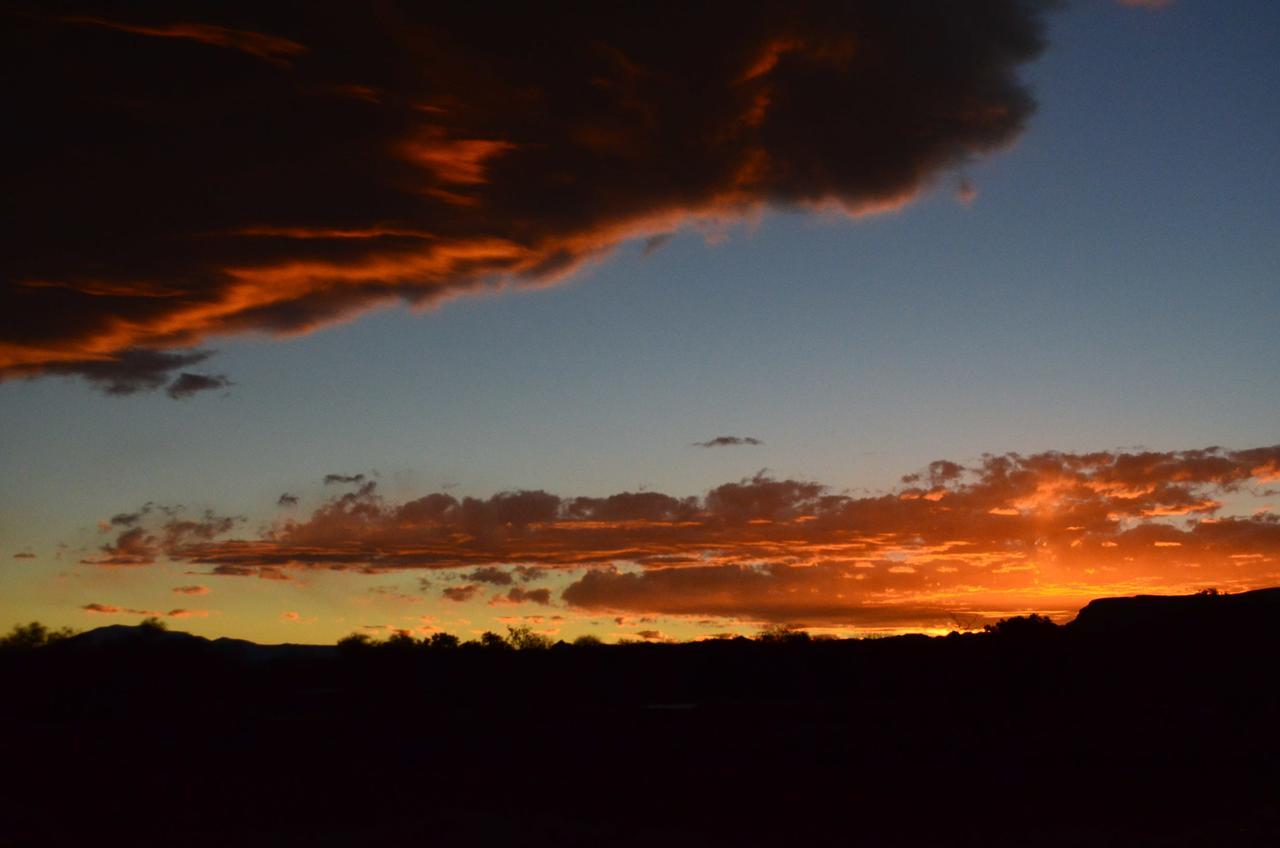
(864, 317)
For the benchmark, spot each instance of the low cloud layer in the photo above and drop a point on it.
(1011, 532)
(246, 168)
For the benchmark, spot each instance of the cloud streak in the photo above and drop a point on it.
(410, 155)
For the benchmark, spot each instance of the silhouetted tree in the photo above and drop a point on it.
(33, 635)
(400, 641)
(493, 641)
(522, 638)
(355, 642)
(587, 640)
(441, 642)
(152, 626)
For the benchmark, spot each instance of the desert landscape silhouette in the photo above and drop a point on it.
(1145, 720)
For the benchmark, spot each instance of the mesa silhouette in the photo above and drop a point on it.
(1145, 721)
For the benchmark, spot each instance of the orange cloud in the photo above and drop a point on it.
(507, 157)
(1014, 532)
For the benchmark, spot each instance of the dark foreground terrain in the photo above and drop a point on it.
(1147, 721)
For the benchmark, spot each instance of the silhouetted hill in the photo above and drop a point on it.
(1103, 732)
(1203, 616)
(123, 637)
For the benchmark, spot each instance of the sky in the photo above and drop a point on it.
(866, 317)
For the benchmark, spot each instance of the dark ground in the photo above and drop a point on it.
(1145, 722)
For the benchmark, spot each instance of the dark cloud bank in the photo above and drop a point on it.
(242, 167)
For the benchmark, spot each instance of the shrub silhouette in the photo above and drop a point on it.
(587, 640)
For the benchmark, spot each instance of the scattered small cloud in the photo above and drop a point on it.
(491, 574)
(112, 609)
(188, 613)
(529, 574)
(522, 596)
(187, 384)
(331, 479)
(287, 500)
(129, 371)
(460, 593)
(728, 441)
(191, 590)
(655, 243)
